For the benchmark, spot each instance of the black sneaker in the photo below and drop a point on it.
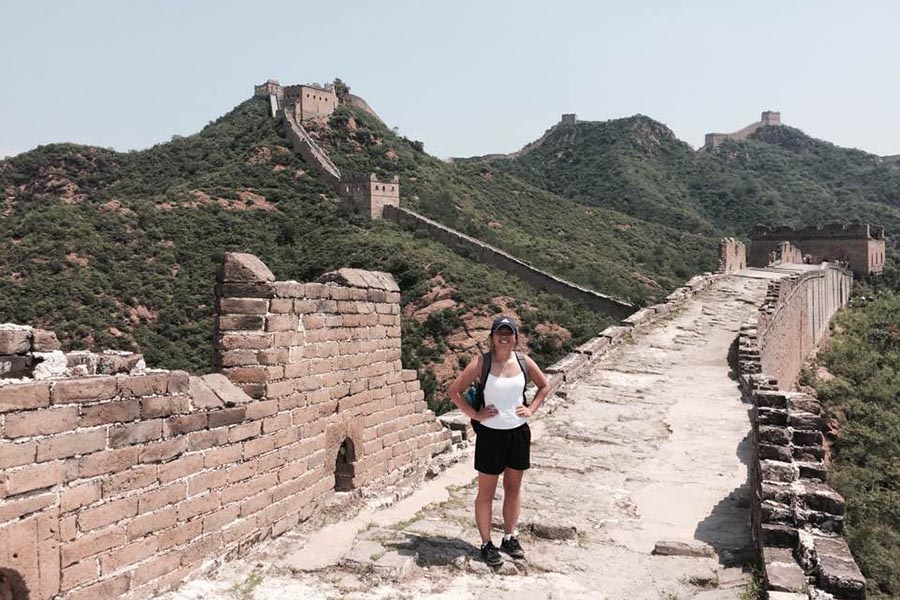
(491, 555)
(512, 547)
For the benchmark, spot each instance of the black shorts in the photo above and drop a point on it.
(497, 449)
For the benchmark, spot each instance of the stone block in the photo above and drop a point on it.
(34, 477)
(594, 347)
(806, 421)
(84, 389)
(676, 548)
(15, 339)
(16, 367)
(110, 412)
(110, 363)
(239, 267)
(778, 535)
(819, 496)
(244, 306)
(229, 393)
(246, 290)
(771, 416)
(770, 399)
(812, 470)
(809, 453)
(837, 572)
(772, 470)
(41, 422)
(774, 435)
(45, 341)
(24, 396)
(615, 332)
(772, 452)
(782, 572)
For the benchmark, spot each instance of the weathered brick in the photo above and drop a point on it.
(154, 407)
(282, 322)
(198, 505)
(202, 549)
(244, 341)
(222, 455)
(184, 424)
(15, 341)
(181, 467)
(144, 385)
(135, 478)
(162, 451)
(17, 454)
(35, 477)
(71, 444)
(41, 422)
(277, 423)
(80, 572)
(169, 494)
(208, 480)
(107, 513)
(24, 396)
(128, 555)
(242, 432)
(155, 568)
(108, 461)
(221, 518)
(240, 375)
(13, 509)
(177, 536)
(258, 446)
(145, 524)
(201, 440)
(91, 544)
(80, 495)
(84, 389)
(227, 416)
(240, 322)
(244, 306)
(179, 382)
(115, 587)
(110, 412)
(135, 433)
(237, 358)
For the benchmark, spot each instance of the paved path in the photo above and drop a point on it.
(651, 446)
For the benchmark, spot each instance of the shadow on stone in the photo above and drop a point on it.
(434, 550)
(12, 586)
(727, 527)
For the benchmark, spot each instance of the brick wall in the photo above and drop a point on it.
(732, 255)
(796, 517)
(120, 485)
(859, 245)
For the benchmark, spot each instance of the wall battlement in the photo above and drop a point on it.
(860, 245)
(122, 485)
(732, 255)
(796, 518)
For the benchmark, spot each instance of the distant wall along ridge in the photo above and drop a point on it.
(769, 118)
(861, 246)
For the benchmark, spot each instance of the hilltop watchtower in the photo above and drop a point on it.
(768, 118)
(311, 100)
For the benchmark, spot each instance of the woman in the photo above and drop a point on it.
(503, 441)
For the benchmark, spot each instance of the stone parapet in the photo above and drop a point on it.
(732, 255)
(796, 517)
(121, 485)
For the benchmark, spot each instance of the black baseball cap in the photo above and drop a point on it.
(504, 321)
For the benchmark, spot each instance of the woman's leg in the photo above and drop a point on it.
(487, 485)
(512, 498)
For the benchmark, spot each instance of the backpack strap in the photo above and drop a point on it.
(485, 371)
(520, 358)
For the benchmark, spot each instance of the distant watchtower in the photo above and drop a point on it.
(568, 119)
(369, 195)
(771, 117)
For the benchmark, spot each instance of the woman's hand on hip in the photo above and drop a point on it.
(523, 411)
(486, 413)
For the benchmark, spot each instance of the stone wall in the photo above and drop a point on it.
(768, 118)
(862, 246)
(732, 255)
(120, 485)
(312, 153)
(796, 518)
(506, 262)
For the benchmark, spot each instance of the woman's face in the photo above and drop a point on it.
(504, 338)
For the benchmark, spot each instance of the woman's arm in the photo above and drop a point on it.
(463, 381)
(543, 388)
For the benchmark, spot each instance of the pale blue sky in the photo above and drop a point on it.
(464, 77)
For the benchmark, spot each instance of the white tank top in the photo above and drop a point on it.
(506, 394)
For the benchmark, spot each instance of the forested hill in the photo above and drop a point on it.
(119, 250)
(779, 176)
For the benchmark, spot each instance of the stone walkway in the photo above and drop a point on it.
(648, 451)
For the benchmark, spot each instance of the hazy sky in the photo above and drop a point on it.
(464, 77)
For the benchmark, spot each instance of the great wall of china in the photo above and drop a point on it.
(123, 481)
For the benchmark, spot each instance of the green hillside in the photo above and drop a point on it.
(119, 250)
(780, 176)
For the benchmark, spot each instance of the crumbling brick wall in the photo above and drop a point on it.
(796, 517)
(861, 246)
(118, 485)
(732, 255)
